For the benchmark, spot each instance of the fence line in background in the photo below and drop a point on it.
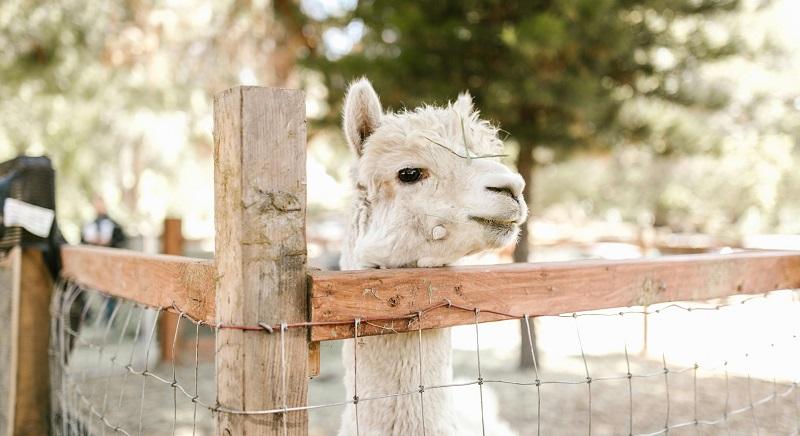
(172, 243)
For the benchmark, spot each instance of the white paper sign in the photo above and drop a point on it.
(32, 218)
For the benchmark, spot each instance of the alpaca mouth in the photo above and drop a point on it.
(498, 225)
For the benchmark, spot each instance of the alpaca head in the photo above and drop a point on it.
(431, 187)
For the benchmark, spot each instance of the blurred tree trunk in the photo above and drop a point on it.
(289, 40)
(526, 167)
(130, 188)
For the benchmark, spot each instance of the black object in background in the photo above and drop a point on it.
(30, 179)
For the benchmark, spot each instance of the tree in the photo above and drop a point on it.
(118, 94)
(557, 75)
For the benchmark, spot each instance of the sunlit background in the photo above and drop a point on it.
(645, 128)
(700, 154)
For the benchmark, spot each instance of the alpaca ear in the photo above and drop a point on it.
(362, 114)
(463, 104)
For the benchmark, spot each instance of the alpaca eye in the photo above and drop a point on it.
(409, 175)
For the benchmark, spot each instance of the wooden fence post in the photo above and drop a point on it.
(33, 376)
(172, 239)
(25, 288)
(9, 340)
(260, 207)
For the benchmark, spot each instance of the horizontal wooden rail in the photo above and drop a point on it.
(153, 280)
(380, 296)
(535, 289)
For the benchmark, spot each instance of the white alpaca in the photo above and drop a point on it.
(430, 191)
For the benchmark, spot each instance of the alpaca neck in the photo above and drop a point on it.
(392, 364)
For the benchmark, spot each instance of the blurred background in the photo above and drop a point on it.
(664, 124)
(643, 128)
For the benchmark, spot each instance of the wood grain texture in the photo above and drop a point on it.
(152, 280)
(313, 359)
(260, 206)
(538, 289)
(9, 340)
(32, 408)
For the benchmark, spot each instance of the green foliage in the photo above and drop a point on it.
(552, 73)
(118, 94)
(600, 77)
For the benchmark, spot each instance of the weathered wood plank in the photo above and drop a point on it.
(537, 289)
(260, 206)
(152, 280)
(9, 340)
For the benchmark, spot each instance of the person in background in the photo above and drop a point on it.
(105, 232)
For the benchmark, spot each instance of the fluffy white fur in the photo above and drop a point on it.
(460, 207)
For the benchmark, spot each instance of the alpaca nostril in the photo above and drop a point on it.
(506, 190)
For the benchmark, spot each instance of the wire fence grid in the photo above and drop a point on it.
(107, 377)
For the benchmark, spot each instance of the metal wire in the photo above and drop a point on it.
(421, 381)
(537, 381)
(666, 390)
(174, 376)
(284, 417)
(196, 377)
(78, 409)
(146, 367)
(480, 376)
(586, 369)
(628, 375)
(356, 399)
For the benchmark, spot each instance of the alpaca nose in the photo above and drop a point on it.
(506, 184)
(502, 190)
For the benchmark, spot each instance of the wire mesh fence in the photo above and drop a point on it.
(726, 366)
(106, 375)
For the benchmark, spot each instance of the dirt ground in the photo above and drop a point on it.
(565, 407)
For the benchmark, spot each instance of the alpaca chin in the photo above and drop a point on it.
(499, 238)
(497, 234)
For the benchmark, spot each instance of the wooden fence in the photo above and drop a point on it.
(259, 274)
